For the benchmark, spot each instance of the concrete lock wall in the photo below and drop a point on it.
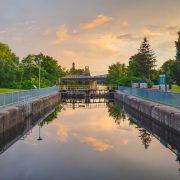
(166, 115)
(35, 109)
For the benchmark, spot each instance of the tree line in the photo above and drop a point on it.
(142, 66)
(24, 74)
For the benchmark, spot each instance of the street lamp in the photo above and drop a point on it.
(39, 61)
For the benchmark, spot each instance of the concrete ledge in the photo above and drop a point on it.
(34, 109)
(166, 115)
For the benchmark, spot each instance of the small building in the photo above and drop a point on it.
(135, 84)
(81, 82)
(143, 84)
(139, 84)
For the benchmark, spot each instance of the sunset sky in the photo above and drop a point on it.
(90, 32)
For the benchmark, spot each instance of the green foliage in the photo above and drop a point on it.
(178, 48)
(116, 73)
(142, 64)
(176, 88)
(6, 90)
(51, 72)
(52, 116)
(8, 66)
(168, 68)
(177, 72)
(116, 112)
(24, 75)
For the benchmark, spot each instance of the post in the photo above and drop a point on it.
(39, 74)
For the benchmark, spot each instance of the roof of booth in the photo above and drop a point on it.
(83, 77)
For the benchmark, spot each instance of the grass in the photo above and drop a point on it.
(6, 90)
(175, 88)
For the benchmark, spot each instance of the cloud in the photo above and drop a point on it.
(61, 35)
(129, 36)
(3, 32)
(17, 39)
(95, 22)
(61, 131)
(124, 24)
(95, 143)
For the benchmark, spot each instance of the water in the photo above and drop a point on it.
(91, 142)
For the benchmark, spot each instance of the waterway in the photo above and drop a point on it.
(97, 141)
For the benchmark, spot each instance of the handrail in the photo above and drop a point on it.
(21, 96)
(168, 98)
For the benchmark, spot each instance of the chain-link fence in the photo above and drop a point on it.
(169, 98)
(21, 96)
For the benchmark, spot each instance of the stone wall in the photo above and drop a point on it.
(34, 109)
(163, 114)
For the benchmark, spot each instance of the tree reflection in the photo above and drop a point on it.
(116, 112)
(52, 116)
(178, 159)
(145, 137)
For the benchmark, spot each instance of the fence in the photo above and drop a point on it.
(168, 98)
(20, 96)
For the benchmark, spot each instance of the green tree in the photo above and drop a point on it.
(8, 66)
(116, 73)
(168, 68)
(51, 72)
(177, 66)
(116, 112)
(142, 64)
(145, 137)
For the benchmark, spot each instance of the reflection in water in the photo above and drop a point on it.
(10, 134)
(148, 128)
(145, 137)
(94, 140)
(119, 115)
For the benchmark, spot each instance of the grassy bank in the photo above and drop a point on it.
(175, 88)
(5, 90)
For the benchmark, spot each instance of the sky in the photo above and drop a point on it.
(90, 32)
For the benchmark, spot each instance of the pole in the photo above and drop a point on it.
(39, 74)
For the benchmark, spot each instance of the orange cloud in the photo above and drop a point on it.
(61, 132)
(95, 143)
(124, 24)
(95, 22)
(61, 35)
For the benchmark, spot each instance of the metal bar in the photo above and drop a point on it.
(168, 98)
(17, 97)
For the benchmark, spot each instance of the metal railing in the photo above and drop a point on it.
(21, 96)
(168, 98)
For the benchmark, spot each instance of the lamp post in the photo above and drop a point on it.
(39, 61)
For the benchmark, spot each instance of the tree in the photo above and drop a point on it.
(177, 66)
(145, 137)
(116, 72)
(142, 64)
(168, 68)
(8, 66)
(51, 72)
(116, 112)
(178, 47)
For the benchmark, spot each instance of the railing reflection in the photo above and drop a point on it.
(19, 131)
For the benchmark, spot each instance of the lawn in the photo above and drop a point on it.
(175, 88)
(5, 90)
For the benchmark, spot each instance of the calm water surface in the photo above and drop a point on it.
(93, 142)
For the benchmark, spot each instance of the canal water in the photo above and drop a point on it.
(90, 141)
